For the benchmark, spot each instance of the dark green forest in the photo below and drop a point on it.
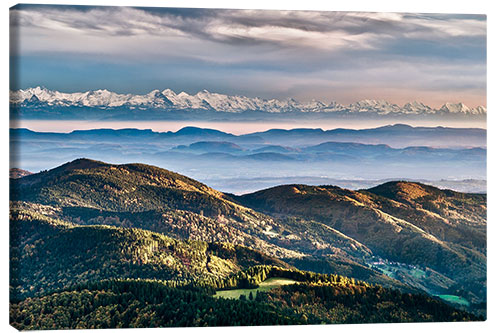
(140, 303)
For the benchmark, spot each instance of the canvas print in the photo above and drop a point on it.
(219, 167)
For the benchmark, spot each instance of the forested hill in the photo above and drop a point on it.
(89, 192)
(406, 222)
(129, 187)
(49, 254)
(88, 220)
(143, 303)
(137, 195)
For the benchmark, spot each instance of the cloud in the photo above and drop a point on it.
(292, 40)
(311, 29)
(270, 53)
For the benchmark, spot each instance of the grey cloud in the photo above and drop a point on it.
(235, 26)
(273, 51)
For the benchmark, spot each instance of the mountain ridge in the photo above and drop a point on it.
(205, 100)
(376, 135)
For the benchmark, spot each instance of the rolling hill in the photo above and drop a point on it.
(211, 146)
(49, 254)
(432, 240)
(87, 192)
(419, 225)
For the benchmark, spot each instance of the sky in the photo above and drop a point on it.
(328, 56)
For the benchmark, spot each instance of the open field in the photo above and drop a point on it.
(454, 299)
(264, 286)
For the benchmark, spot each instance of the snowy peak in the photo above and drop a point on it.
(416, 108)
(455, 108)
(479, 110)
(461, 108)
(168, 93)
(371, 105)
(206, 100)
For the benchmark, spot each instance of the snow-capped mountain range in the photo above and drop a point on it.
(205, 100)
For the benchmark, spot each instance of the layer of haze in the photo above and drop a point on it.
(454, 158)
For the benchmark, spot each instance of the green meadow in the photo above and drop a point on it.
(264, 286)
(454, 299)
